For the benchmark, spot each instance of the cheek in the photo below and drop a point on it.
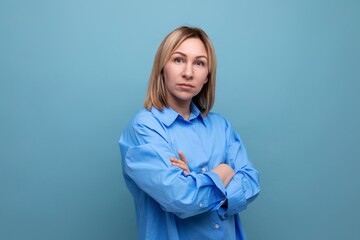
(205, 77)
(206, 80)
(168, 74)
(168, 79)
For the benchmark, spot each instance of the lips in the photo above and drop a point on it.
(185, 85)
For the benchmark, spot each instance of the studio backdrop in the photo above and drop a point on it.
(73, 73)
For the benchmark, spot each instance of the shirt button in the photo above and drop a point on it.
(200, 204)
(217, 226)
(203, 169)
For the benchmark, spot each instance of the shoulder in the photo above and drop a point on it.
(145, 120)
(143, 117)
(144, 128)
(219, 123)
(216, 119)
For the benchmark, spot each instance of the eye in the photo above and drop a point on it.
(178, 60)
(199, 63)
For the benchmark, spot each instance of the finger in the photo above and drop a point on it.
(180, 164)
(177, 162)
(182, 157)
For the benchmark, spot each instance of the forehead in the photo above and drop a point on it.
(192, 46)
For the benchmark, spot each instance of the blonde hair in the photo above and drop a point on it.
(156, 93)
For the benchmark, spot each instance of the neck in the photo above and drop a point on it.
(183, 109)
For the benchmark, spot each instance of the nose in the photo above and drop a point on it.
(188, 72)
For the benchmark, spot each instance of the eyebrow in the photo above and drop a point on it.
(183, 54)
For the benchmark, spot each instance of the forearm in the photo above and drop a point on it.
(183, 195)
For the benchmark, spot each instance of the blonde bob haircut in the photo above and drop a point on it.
(156, 93)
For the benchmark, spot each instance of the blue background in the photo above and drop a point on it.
(73, 73)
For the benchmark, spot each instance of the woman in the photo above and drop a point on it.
(186, 168)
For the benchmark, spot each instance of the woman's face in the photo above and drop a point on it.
(186, 72)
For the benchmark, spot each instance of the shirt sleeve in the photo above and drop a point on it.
(146, 156)
(244, 187)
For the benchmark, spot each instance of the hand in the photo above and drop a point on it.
(225, 173)
(181, 163)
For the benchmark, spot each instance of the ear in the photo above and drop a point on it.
(207, 78)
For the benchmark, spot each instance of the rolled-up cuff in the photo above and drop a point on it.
(213, 178)
(236, 201)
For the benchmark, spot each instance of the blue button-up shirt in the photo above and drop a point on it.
(172, 205)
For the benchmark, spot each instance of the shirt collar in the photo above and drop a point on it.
(169, 115)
